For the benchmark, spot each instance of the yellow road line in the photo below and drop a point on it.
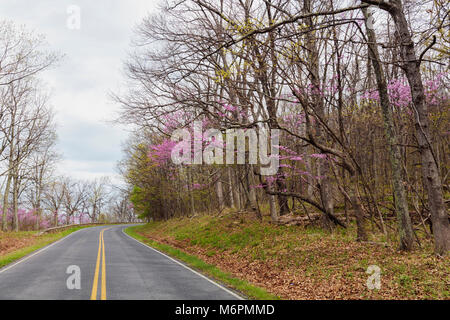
(103, 297)
(95, 283)
(101, 253)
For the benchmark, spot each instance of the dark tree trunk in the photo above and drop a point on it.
(401, 204)
(430, 171)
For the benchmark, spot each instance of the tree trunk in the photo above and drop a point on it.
(191, 193)
(309, 178)
(6, 203)
(326, 191)
(361, 234)
(219, 192)
(230, 188)
(282, 200)
(401, 205)
(273, 208)
(15, 202)
(55, 218)
(236, 184)
(430, 171)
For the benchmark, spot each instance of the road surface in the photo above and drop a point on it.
(103, 263)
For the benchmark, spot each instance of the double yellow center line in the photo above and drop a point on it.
(101, 253)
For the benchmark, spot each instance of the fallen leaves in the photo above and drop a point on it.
(10, 242)
(300, 264)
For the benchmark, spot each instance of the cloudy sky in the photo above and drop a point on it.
(91, 69)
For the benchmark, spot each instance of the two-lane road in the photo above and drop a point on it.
(111, 265)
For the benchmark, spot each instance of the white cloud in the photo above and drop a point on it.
(91, 69)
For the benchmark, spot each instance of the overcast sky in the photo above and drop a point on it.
(92, 67)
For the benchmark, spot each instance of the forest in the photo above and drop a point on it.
(33, 194)
(233, 149)
(357, 89)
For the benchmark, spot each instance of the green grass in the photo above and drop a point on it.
(41, 241)
(316, 257)
(246, 288)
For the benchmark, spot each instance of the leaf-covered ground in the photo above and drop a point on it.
(11, 241)
(15, 245)
(298, 262)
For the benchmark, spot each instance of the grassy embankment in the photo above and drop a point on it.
(15, 245)
(295, 262)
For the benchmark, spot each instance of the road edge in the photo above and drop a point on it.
(36, 251)
(218, 282)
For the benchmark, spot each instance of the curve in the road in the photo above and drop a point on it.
(111, 265)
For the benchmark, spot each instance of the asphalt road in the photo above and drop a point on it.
(103, 263)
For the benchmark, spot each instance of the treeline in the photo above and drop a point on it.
(32, 194)
(358, 92)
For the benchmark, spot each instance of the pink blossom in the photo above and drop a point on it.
(229, 107)
(318, 155)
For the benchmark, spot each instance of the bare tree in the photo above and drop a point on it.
(54, 199)
(97, 196)
(430, 168)
(24, 116)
